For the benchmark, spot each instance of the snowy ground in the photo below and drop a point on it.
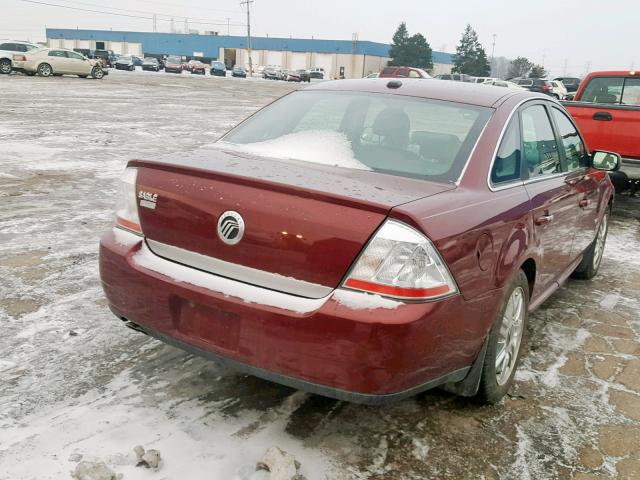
(73, 380)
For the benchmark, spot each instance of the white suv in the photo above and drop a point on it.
(8, 49)
(558, 89)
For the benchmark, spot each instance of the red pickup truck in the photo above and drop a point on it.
(606, 108)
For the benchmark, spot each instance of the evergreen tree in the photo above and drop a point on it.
(470, 57)
(399, 46)
(520, 67)
(537, 71)
(410, 51)
(420, 52)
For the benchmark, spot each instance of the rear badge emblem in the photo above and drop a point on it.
(230, 227)
(147, 199)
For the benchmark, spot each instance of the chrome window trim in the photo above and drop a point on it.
(473, 151)
(515, 183)
(233, 271)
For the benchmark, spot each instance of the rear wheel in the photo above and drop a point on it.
(5, 66)
(505, 342)
(588, 267)
(44, 70)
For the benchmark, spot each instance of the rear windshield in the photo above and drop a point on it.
(388, 70)
(393, 134)
(174, 60)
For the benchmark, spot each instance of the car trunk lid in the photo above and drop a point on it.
(304, 223)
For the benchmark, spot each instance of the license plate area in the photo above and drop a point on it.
(210, 324)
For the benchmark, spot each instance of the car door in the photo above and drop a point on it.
(581, 179)
(553, 200)
(78, 64)
(58, 61)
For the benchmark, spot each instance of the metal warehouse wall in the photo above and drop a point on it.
(210, 45)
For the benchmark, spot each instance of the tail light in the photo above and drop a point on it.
(127, 203)
(401, 262)
(546, 88)
(19, 58)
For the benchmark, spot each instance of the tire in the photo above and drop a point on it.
(97, 73)
(556, 96)
(5, 66)
(45, 70)
(505, 342)
(592, 257)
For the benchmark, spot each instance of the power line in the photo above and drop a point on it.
(81, 9)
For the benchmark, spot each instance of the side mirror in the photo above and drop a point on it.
(608, 161)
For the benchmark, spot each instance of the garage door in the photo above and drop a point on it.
(273, 58)
(324, 60)
(298, 61)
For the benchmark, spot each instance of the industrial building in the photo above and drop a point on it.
(349, 58)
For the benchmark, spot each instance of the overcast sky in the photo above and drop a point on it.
(603, 34)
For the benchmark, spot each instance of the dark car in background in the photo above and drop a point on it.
(238, 71)
(151, 64)
(173, 64)
(125, 62)
(537, 85)
(218, 69)
(272, 72)
(570, 83)
(300, 75)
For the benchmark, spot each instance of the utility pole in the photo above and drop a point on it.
(588, 67)
(228, 25)
(172, 27)
(155, 23)
(248, 4)
(186, 25)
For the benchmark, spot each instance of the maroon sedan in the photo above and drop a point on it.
(364, 240)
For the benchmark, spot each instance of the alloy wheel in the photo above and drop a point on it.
(5, 67)
(600, 241)
(510, 336)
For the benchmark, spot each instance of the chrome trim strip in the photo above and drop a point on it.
(253, 276)
(495, 151)
(473, 150)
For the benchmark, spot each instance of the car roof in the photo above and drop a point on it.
(470, 93)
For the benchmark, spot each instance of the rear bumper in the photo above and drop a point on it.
(348, 345)
(631, 167)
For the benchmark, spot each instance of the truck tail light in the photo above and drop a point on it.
(127, 203)
(401, 262)
(546, 88)
(19, 58)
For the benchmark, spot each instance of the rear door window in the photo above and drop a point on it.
(574, 150)
(506, 166)
(540, 149)
(57, 53)
(8, 46)
(603, 90)
(388, 70)
(402, 72)
(414, 74)
(631, 92)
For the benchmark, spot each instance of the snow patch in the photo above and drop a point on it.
(317, 146)
(420, 449)
(229, 288)
(363, 301)
(610, 301)
(124, 238)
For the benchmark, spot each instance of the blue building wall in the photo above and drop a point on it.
(181, 44)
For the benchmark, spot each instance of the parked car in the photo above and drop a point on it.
(8, 49)
(606, 107)
(125, 62)
(106, 56)
(137, 61)
(238, 71)
(403, 72)
(558, 90)
(58, 61)
(456, 77)
(373, 75)
(504, 83)
(570, 83)
(173, 64)
(260, 70)
(317, 73)
(218, 69)
(151, 64)
(328, 285)
(272, 72)
(296, 76)
(486, 79)
(538, 85)
(198, 68)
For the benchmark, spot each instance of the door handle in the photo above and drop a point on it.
(583, 203)
(544, 220)
(602, 116)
